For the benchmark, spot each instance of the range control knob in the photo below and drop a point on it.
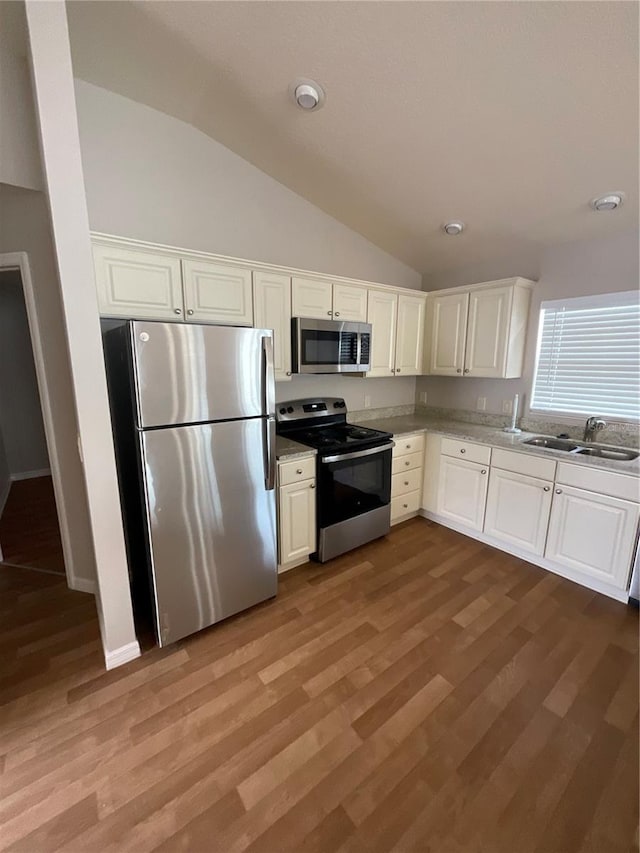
(282, 410)
(336, 405)
(290, 409)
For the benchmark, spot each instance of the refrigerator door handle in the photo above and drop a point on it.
(269, 436)
(269, 377)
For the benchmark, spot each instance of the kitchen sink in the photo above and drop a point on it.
(604, 451)
(620, 453)
(553, 443)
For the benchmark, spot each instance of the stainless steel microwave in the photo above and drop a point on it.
(330, 346)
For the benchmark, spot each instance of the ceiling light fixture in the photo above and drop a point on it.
(307, 94)
(453, 228)
(607, 202)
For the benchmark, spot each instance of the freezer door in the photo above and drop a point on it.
(212, 522)
(186, 373)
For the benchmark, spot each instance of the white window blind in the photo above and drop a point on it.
(588, 358)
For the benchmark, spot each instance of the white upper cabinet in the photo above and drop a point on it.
(133, 283)
(592, 534)
(518, 508)
(311, 297)
(480, 330)
(217, 293)
(350, 303)
(410, 335)
(382, 313)
(448, 328)
(272, 310)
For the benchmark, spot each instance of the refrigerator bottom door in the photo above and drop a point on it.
(212, 523)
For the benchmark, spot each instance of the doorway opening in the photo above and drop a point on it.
(29, 527)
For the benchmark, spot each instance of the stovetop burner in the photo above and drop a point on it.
(322, 423)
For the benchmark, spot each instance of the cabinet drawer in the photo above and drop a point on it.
(406, 463)
(523, 463)
(409, 444)
(402, 483)
(595, 480)
(466, 450)
(404, 504)
(297, 470)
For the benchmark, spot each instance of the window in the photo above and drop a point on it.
(587, 362)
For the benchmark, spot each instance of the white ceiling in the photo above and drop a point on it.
(509, 116)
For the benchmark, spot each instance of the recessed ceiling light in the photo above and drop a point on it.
(453, 228)
(607, 202)
(307, 94)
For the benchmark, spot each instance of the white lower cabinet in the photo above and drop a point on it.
(592, 534)
(296, 511)
(462, 491)
(518, 510)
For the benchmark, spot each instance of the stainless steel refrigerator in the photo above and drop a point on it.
(194, 427)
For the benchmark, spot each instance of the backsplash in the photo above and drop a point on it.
(623, 434)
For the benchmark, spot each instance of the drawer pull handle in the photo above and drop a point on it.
(462, 450)
(558, 491)
(406, 506)
(408, 446)
(484, 471)
(407, 463)
(546, 488)
(406, 482)
(298, 470)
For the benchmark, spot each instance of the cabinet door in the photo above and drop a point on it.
(350, 302)
(140, 285)
(216, 293)
(272, 310)
(410, 335)
(518, 508)
(592, 534)
(311, 297)
(488, 332)
(447, 333)
(462, 491)
(297, 520)
(382, 312)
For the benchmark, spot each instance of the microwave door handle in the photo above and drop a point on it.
(269, 387)
(356, 454)
(359, 349)
(269, 450)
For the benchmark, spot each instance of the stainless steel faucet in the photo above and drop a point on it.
(592, 427)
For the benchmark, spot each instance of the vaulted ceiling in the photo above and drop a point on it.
(510, 116)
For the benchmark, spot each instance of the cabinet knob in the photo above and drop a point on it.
(190, 311)
(337, 314)
(466, 370)
(393, 370)
(298, 470)
(177, 310)
(483, 471)
(312, 485)
(462, 450)
(330, 313)
(397, 370)
(405, 506)
(408, 446)
(546, 488)
(459, 370)
(558, 491)
(406, 482)
(288, 373)
(407, 463)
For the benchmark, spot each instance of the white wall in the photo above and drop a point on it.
(581, 268)
(20, 411)
(153, 177)
(25, 227)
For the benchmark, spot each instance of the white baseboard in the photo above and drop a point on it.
(286, 567)
(82, 585)
(122, 655)
(31, 475)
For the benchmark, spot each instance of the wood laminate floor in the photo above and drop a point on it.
(425, 692)
(29, 531)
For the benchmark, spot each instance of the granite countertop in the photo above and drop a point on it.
(287, 449)
(406, 424)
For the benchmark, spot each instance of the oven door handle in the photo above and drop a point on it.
(340, 457)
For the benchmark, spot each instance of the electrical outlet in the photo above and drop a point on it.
(481, 405)
(423, 398)
(367, 401)
(507, 405)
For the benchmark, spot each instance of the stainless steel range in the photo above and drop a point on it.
(353, 470)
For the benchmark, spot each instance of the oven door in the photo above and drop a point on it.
(329, 346)
(351, 484)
